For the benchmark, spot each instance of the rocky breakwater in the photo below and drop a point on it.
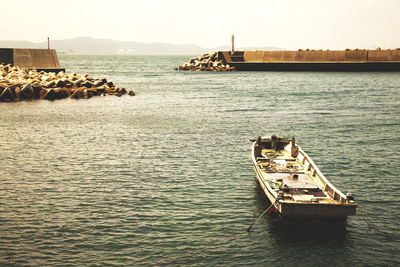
(23, 84)
(208, 62)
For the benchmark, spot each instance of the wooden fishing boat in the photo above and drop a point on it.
(295, 186)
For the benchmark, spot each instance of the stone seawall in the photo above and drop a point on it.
(313, 60)
(322, 56)
(42, 59)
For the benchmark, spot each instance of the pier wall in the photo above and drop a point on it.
(322, 56)
(383, 55)
(44, 59)
(313, 60)
(6, 55)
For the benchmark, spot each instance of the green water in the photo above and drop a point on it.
(165, 177)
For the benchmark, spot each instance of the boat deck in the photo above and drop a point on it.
(303, 181)
(286, 172)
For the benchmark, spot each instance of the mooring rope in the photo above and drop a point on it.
(371, 225)
(375, 228)
(223, 240)
(216, 243)
(256, 221)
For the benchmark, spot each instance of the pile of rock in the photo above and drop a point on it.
(208, 62)
(21, 83)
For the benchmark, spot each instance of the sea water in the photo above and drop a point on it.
(165, 177)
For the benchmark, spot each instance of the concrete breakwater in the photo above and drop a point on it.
(314, 60)
(207, 62)
(301, 60)
(18, 83)
(40, 59)
(348, 55)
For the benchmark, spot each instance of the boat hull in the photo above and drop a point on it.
(290, 212)
(315, 210)
(307, 211)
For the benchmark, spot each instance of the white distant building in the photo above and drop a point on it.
(125, 51)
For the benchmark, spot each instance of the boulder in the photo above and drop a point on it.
(21, 83)
(7, 95)
(27, 91)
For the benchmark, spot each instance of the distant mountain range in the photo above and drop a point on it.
(88, 45)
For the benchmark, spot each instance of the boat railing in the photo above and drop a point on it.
(332, 191)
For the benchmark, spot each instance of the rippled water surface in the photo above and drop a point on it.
(165, 177)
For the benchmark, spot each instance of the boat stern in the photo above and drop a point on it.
(315, 210)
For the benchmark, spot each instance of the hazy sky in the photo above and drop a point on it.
(289, 24)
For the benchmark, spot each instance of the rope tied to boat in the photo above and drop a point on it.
(256, 221)
(218, 242)
(371, 225)
(375, 228)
